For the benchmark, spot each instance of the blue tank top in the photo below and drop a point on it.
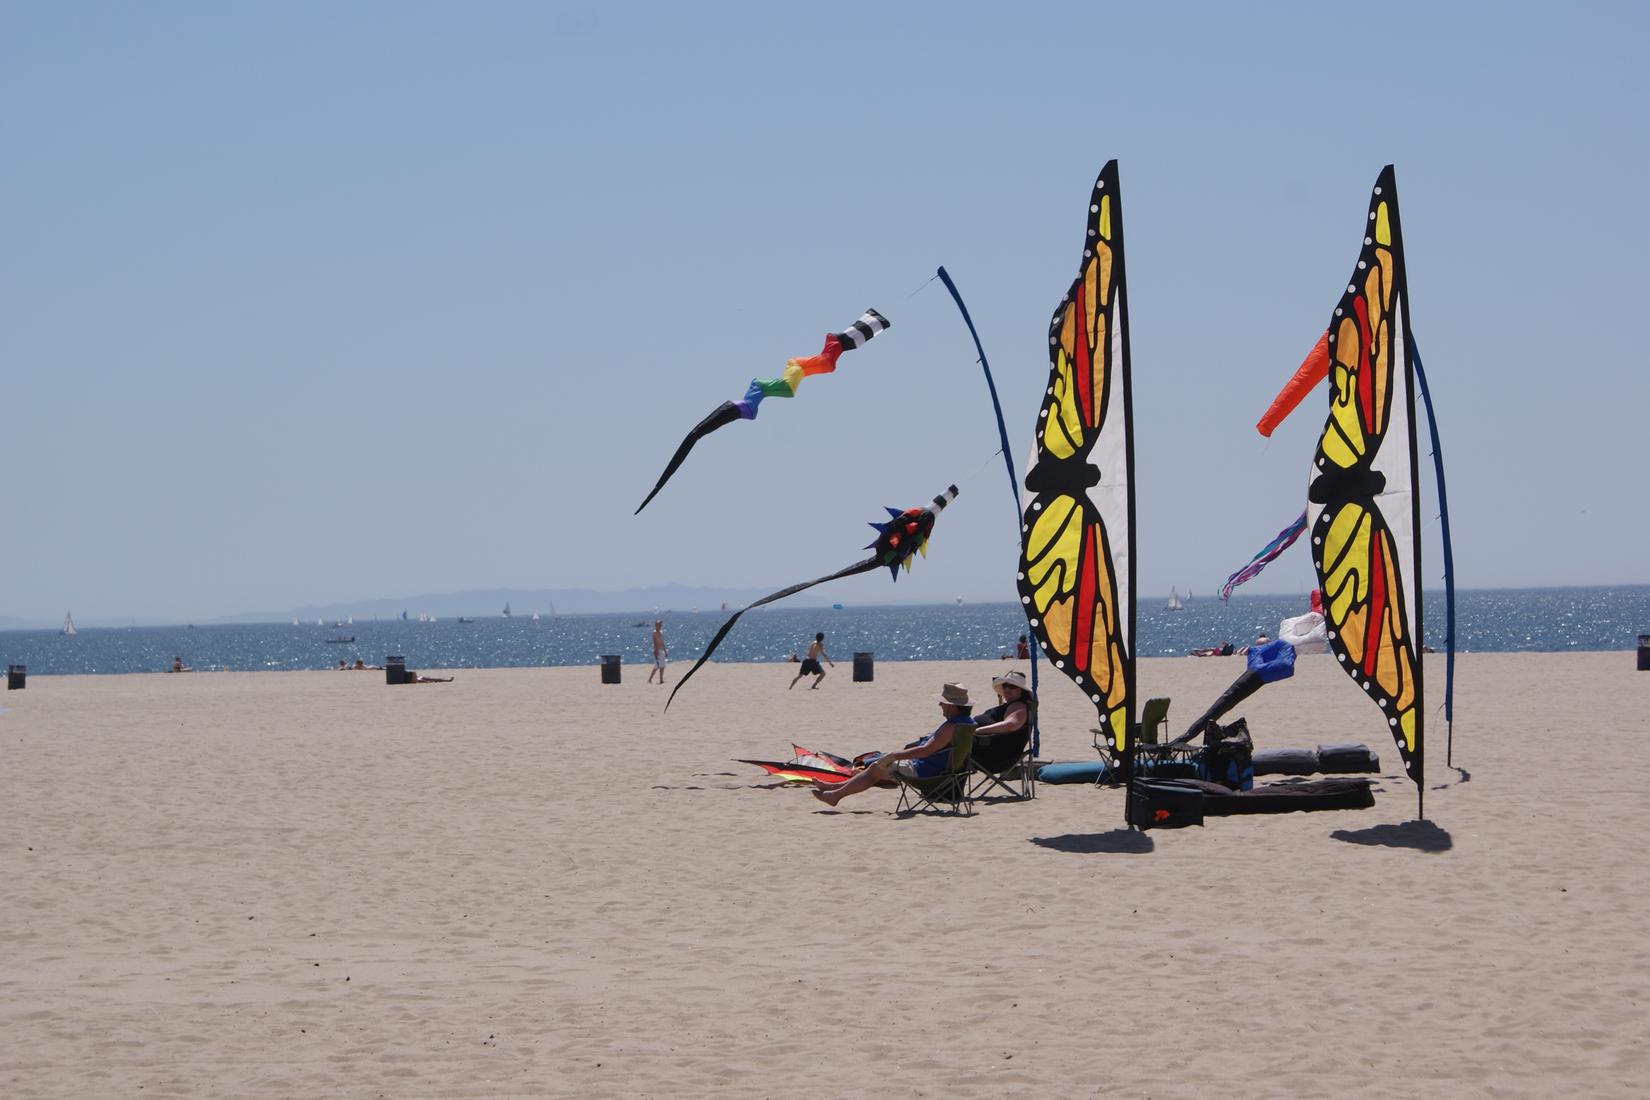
(927, 767)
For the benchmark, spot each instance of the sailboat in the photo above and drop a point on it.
(506, 609)
(68, 624)
(1174, 603)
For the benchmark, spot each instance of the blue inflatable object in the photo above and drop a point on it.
(1074, 771)
(1273, 661)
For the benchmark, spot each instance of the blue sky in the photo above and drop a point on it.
(303, 302)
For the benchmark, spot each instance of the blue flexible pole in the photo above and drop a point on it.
(1449, 560)
(1008, 458)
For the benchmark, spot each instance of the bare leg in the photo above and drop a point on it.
(870, 777)
(793, 682)
(817, 680)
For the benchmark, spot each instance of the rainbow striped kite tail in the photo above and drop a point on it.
(855, 335)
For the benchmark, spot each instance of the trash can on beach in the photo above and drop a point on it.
(395, 670)
(16, 674)
(863, 668)
(1644, 655)
(610, 668)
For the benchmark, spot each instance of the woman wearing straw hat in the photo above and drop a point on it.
(920, 759)
(1013, 711)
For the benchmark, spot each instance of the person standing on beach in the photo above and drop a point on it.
(660, 654)
(810, 663)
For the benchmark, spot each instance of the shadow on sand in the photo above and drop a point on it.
(1462, 775)
(1421, 835)
(1117, 842)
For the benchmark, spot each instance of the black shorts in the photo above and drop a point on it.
(810, 665)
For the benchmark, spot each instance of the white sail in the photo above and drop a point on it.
(68, 623)
(1174, 603)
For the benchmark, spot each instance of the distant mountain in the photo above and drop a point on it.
(525, 602)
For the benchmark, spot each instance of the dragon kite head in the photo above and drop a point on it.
(905, 534)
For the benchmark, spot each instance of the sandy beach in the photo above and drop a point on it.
(526, 883)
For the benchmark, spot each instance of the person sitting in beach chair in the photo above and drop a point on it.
(1002, 736)
(931, 758)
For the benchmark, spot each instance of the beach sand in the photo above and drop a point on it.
(526, 883)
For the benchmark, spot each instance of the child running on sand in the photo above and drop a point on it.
(810, 663)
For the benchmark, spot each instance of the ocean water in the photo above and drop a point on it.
(1488, 621)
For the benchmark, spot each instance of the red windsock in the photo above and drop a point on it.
(1313, 369)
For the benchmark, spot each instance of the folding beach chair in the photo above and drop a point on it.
(1160, 759)
(949, 788)
(1154, 722)
(1004, 761)
(1148, 732)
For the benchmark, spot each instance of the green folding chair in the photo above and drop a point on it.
(1154, 722)
(1148, 732)
(948, 789)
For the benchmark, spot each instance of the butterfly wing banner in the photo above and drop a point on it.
(1076, 571)
(1363, 500)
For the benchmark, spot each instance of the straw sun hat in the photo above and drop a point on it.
(953, 695)
(1015, 677)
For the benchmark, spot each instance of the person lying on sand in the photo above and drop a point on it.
(919, 760)
(1224, 649)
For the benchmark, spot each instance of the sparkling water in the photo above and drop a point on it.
(1489, 621)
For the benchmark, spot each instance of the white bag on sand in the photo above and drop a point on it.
(1306, 633)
